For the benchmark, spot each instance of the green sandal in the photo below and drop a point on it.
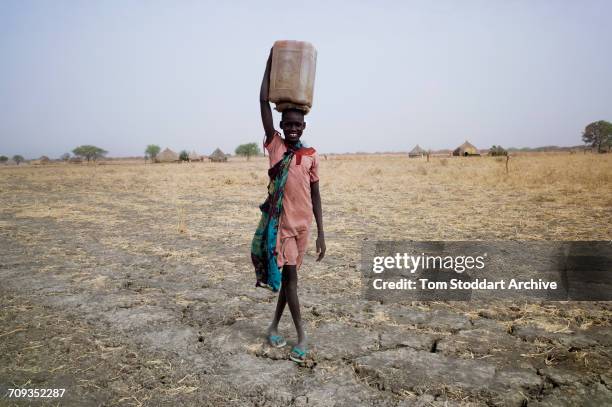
(298, 355)
(276, 341)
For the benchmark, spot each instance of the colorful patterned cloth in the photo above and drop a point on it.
(263, 247)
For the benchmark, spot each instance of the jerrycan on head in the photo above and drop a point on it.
(292, 75)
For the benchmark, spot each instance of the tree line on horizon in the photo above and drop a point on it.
(597, 135)
(246, 150)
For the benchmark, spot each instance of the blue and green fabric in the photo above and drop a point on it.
(263, 246)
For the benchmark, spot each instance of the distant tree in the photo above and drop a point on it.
(18, 159)
(90, 153)
(184, 155)
(151, 151)
(248, 150)
(497, 150)
(3, 158)
(65, 157)
(598, 135)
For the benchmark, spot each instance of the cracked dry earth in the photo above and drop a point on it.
(131, 285)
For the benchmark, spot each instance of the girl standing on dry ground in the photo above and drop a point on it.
(293, 198)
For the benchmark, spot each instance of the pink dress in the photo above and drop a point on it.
(296, 218)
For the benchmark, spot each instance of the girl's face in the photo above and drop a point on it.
(293, 125)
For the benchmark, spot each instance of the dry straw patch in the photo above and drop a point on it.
(544, 196)
(143, 208)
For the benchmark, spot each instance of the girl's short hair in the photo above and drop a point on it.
(299, 111)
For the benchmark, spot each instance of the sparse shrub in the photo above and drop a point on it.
(90, 153)
(598, 135)
(184, 155)
(497, 151)
(151, 151)
(444, 162)
(374, 171)
(3, 158)
(248, 150)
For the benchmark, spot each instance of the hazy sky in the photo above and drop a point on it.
(186, 74)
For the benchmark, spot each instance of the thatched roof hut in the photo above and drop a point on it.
(193, 156)
(466, 149)
(166, 156)
(41, 161)
(217, 156)
(417, 151)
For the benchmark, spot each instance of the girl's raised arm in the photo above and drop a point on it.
(266, 111)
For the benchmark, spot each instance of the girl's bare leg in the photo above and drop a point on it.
(289, 284)
(280, 307)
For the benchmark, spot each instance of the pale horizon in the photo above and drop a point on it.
(186, 75)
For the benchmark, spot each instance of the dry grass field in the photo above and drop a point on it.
(131, 284)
